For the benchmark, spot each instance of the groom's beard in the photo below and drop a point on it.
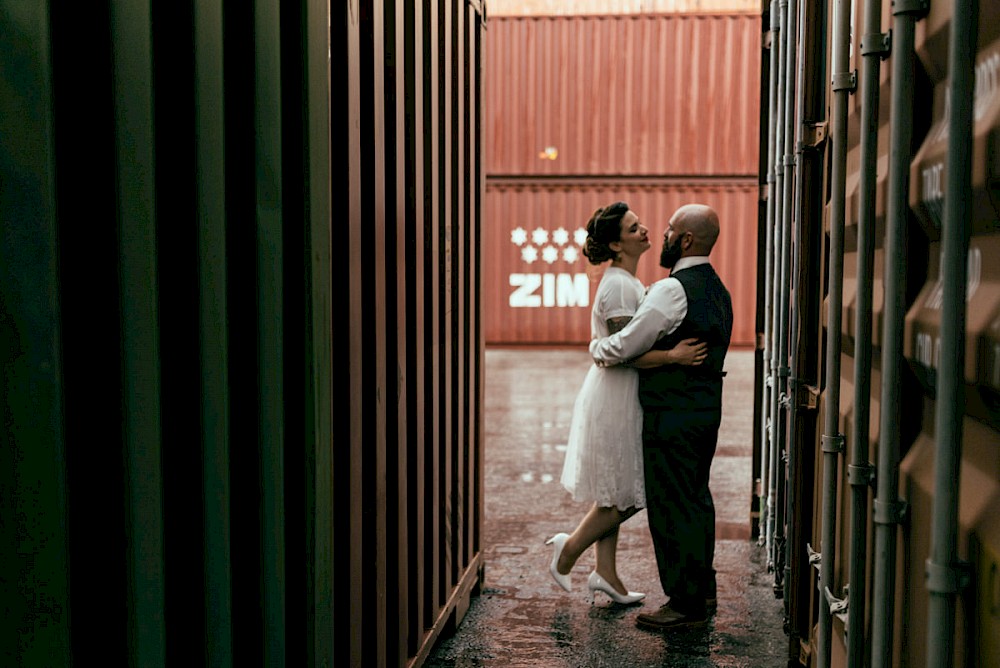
(670, 254)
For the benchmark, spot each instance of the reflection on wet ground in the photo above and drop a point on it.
(522, 618)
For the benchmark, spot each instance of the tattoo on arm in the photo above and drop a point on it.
(618, 324)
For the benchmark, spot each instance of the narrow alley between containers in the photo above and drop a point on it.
(522, 618)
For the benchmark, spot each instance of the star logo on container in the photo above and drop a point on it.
(548, 286)
(548, 246)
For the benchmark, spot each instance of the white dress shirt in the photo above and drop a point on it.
(662, 310)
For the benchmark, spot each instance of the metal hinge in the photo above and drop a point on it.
(813, 134)
(948, 578)
(844, 81)
(832, 444)
(890, 512)
(877, 43)
(917, 7)
(861, 475)
(807, 397)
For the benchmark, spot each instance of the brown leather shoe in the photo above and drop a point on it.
(668, 618)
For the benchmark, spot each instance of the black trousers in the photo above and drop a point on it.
(678, 448)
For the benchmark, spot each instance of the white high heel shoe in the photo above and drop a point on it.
(596, 583)
(557, 542)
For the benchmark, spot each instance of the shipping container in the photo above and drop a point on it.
(538, 285)
(880, 474)
(626, 95)
(242, 358)
(581, 7)
(655, 109)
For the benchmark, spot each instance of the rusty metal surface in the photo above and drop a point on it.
(522, 618)
(663, 94)
(538, 286)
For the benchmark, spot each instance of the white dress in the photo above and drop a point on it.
(604, 452)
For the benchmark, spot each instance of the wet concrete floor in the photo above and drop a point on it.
(522, 618)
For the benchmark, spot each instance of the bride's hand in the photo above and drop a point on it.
(689, 352)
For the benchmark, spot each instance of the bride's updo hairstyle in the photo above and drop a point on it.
(604, 228)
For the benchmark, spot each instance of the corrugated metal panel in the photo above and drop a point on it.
(978, 497)
(857, 65)
(933, 32)
(200, 293)
(658, 95)
(978, 485)
(974, 493)
(578, 7)
(408, 458)
(538, 287)
(928, 171)
(922, 339)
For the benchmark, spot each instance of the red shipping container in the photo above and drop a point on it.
(538, 287)
(654, 95)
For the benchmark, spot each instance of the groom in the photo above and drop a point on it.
(682, 408)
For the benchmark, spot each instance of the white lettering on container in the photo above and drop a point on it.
(560, 290)
(933, 195)
(974, 276)
(928, 350)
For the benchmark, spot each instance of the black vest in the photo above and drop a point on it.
(709, 318)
